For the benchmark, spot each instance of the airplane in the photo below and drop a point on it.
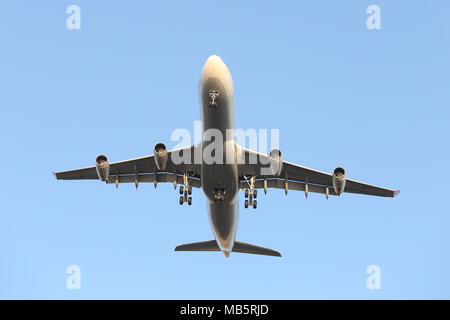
(221, 181)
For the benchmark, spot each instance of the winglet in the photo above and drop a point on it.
(396, 192)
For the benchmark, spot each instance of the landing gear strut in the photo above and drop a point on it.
(213, 94)
(185, 191)
(250, 193)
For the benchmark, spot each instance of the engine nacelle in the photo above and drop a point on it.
(338, 180)
(276, 162)
(161, 156)
(102, 166)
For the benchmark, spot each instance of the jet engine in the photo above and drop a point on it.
(102, 166)
(338, 180)
(161, 156)
(276, 161)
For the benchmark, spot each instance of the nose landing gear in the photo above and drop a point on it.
(213, 94)
(251, 201)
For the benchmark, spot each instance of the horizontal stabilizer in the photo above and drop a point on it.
(238, 247)
(243, 247)
(199, 246)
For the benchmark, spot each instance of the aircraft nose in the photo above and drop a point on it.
(214, 59)
(215, 68)
(214, 64)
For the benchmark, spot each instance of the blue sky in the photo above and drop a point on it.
(375, 102)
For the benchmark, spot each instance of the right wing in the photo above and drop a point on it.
(296, 177)
(143, 170)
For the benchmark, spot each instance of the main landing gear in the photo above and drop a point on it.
(251, 194)
(186, 192)
(184, 195)
(251, 198)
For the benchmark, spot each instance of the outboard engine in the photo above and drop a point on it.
(339, 180)
(102, 167)
(161, 156)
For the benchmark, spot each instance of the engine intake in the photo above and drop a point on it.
(339, 180)
(102, 166)
(276, 161)
(161, 156)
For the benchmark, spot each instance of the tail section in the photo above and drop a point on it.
(238, 247)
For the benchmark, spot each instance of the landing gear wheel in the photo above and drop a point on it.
(254, 204)
(255, 193)
(246, 193)
(246, 204)
(181, 189)
(181, 200)
(189, 200)
(189, 190)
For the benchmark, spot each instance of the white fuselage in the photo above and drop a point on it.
(220, 182)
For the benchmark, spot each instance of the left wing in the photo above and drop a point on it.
(296, 177)
(144, 169)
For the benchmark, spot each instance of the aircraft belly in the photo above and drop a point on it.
(224, 218)
(220, 178)
(220, 181)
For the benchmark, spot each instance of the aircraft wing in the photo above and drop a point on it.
(143, 170)
(296, 177)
